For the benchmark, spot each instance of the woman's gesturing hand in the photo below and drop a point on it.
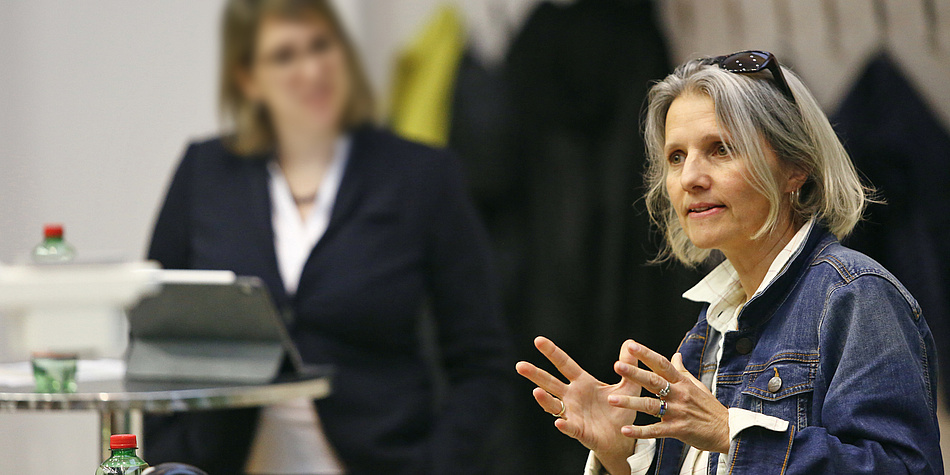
(693, 415)
(587, 416)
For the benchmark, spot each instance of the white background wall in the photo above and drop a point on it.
(99, 97)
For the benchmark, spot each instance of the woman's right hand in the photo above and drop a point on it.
(587, 415)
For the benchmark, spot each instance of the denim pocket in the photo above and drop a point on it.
(782, 389)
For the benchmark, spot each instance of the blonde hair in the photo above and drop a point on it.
(754, 114)
(253, 131)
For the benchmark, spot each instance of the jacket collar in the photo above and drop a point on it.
(721, 288)
(762, 305)
(354, 176)
(263, 231)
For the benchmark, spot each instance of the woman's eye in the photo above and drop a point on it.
(320, 44)
(282, 56)
(676, 158)
(722, 150)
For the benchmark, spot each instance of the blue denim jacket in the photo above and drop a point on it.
(856, 372)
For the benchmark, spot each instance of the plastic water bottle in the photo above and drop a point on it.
(53, 249)
(123, 460)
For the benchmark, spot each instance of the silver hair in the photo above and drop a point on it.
(754, 114)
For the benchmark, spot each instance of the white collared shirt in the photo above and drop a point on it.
(723, 292)
(289, 438)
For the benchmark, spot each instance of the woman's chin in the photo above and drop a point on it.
(321, 124)
(704, 241)
(322, 116)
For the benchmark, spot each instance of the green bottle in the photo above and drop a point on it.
(53, 249)
(123, 460)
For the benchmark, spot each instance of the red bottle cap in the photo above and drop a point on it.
(53, 231)
(123, 441)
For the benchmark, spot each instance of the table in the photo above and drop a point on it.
(121, 403)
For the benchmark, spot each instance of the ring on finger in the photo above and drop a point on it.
(560, 415)
(665, 391)
(662, 412)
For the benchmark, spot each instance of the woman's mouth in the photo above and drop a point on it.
(702, 210)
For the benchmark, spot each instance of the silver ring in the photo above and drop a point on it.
(662, 410)
(665, 391)
(560, 415)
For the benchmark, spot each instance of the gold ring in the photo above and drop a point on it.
(560, 415)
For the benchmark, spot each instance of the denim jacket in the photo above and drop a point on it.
(837, 347)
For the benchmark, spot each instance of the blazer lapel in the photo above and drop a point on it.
(263, 227)
(350, 192)
(348, 197)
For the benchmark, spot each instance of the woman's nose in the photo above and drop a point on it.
(695, 174)
(313, 66)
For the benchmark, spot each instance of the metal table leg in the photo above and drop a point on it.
(128, 421)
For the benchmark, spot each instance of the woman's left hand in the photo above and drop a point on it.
(693, 415)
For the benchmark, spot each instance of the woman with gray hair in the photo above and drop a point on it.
(808, 357)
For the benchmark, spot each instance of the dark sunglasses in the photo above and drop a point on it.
(747, 62)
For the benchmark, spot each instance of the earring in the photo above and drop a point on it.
(793, 198)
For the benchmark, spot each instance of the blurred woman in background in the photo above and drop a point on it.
(808, 357)
(355, 232)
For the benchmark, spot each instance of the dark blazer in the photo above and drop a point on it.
(403, 236)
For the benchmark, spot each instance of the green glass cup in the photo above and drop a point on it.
(54, 372)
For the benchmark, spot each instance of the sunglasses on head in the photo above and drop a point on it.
(747, 62)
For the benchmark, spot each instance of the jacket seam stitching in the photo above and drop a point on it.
(790, 391)
(759, 368)
(780, 357)
(691, 336)
(824, 313)
(925, 362)
(735, 455)
(839, 266)
(788, 451)
(849, 277)
(702, 354)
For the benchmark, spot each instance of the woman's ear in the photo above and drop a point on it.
(796, 179)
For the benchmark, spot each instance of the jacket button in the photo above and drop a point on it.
(744, 346)
(775, 384)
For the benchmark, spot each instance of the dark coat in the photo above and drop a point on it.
(403, 236)
(899, 145)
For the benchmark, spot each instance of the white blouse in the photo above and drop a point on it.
(289, 438)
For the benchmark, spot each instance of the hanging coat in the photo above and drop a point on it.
(899, 145)
(555, 158)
